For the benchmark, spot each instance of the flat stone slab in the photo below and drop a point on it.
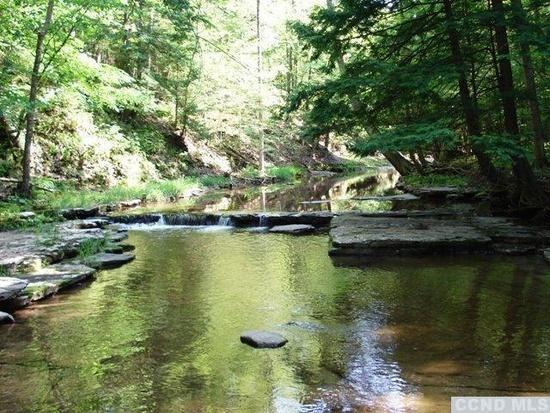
(263, 339)
(376, 236)
(49, 280)
(108, 261)
(11, 287)
(117, 236)
(401, 197)
(6, 318)
(29, 251)
(293, 229)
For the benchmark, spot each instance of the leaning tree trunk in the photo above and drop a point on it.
(400, 163)
(522, 26)
(33, 94)
(471, 113)
(530, 189)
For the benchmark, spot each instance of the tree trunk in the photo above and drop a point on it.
(530, 189)
(260, 89)
(400, 163)
(471, 112)
(33, 94)
(521, 26)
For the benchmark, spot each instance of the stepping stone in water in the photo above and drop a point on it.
(293, 229)
(263, 339)
(106, 261)
(5, 318)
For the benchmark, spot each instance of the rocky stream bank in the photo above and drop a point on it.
(35, 266)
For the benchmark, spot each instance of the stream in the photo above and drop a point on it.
(161, 334)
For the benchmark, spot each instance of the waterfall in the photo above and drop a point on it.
(225, 221)
(197, 220)
(262, 220)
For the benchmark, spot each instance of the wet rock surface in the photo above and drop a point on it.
(293, 229)
(6, 318)
(546, 255)
(11, 287)
(107, 261)
(359, 235)
(54, 278)
(407, 233)
(263, 339)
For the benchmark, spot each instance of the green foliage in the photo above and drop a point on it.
(154, 191)
(92, 246)
(285, 173)
(407, 138)
(420, 181)
(4, 272)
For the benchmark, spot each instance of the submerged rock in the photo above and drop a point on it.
(11, 287)
(6, 318)
(107, 261)
(293, 229)
(263, 339)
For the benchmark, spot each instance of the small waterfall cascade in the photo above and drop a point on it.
(262, 220)
(196, 220)
(225, 221)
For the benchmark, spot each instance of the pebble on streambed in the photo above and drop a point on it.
(263, 339)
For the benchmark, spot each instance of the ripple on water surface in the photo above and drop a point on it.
(162, 333)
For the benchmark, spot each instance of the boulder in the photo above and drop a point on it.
(79, 213)
(293, 229)
(11, 287)
(263, 339)
(27, 215)
(6, 318)
(547, 255)
(130, 204)
(107, 261)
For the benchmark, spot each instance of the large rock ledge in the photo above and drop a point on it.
(359, 235)
(40, 265)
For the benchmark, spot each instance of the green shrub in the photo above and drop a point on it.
(285, 173)
(418, 181)
(91, 247)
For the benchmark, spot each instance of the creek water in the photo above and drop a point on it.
(162, 333)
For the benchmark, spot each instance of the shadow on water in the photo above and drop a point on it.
(162, 333)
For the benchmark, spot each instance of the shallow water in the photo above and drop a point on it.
(335, 193)
(162, 333)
